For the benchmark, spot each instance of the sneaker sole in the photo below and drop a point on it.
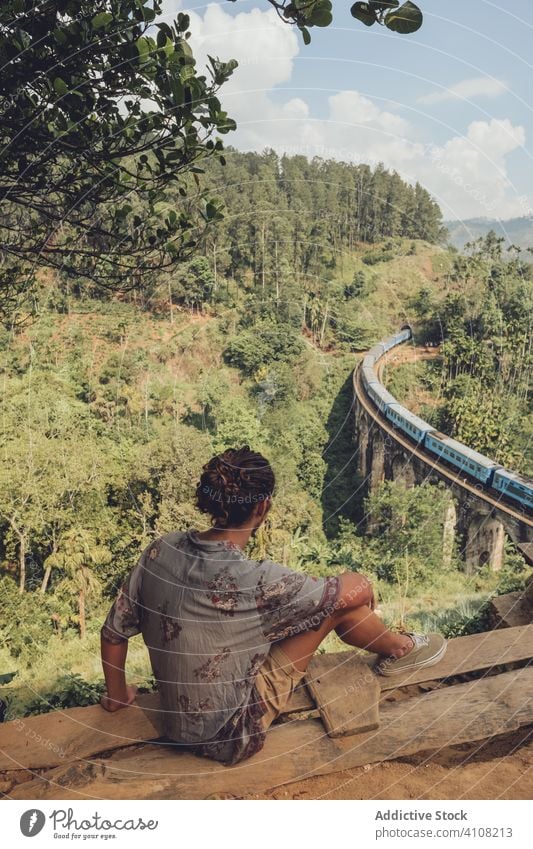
(430, 661)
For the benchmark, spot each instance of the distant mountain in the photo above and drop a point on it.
(516, 231)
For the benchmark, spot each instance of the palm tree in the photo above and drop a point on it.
(76, 552)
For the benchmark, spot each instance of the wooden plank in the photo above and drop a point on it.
(59, 737)
(347, 696)
(462, 713)
(62, 736)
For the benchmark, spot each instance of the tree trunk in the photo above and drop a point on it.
(46, 578)
(277, 274)
(22, 564)
(323, 330)
(81, 609)
(170, 302)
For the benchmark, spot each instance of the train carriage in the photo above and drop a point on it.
(373, 355)
(381, 398)
(369, 361)
(377, 351)
(514, 486)
(415, 427)
(397, 338)
(369, 375)
(465, 459)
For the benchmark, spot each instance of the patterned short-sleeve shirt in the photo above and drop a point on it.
(208, 617)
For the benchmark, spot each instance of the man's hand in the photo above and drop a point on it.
(112, 705)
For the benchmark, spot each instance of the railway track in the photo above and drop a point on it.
(444, 471)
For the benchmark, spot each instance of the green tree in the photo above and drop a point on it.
(407, 537)
(77, 552)
(193, 285)
(102, 110)
(357, 287)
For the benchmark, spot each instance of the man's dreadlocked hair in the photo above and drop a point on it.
(232, 483)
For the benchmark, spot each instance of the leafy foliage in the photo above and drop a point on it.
(405, 19)
(319, 13)
(267, 342)
(484, 325)
(102, 110)
(408, 532)
(69, 691)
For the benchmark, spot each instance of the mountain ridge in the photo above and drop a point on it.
(515, 231)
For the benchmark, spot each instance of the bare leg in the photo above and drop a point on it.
(358, 627)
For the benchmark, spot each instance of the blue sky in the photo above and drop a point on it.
(450, 106)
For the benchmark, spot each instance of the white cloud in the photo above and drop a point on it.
(467, 90)
(263, 45)
(468, 174)
(357, 109)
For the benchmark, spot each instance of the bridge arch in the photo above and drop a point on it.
(402, 470)
(484, 542)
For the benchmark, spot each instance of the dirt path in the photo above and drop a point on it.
(498, 769)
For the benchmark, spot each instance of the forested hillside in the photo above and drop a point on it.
(291, 214)
(480, 386)
(111, 404)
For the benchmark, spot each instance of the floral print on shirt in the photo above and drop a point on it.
(223, 592)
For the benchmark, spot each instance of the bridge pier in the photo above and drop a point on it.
(377, 463)
(448, 533)
(362, 438)
(484, 543)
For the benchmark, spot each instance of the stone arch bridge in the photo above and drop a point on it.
(476, 517)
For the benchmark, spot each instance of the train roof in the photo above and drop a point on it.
(464, 449)
(411, 417)
(515, 476)
(383, 393)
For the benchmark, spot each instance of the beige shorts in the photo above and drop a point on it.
(276, 681)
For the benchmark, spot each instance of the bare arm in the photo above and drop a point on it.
(119, 694)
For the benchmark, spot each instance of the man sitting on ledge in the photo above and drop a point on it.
(230, 638)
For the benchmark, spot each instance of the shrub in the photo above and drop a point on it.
(264, 343)
(373, 257)
(68, 691)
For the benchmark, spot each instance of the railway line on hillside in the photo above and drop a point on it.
(456, 478)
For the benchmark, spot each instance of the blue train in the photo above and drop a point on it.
(463, 459)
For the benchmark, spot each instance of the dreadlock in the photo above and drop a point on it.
(232, 483)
